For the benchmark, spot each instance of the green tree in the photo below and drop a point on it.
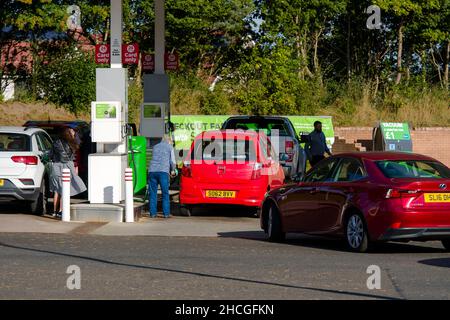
(67, 79)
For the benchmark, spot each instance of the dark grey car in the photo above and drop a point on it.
(285, 140)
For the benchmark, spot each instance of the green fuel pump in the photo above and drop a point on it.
(137, 160)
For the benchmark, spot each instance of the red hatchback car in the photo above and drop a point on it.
(232, 167)
(365, 197)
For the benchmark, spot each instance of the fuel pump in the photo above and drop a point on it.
(137, 160)
(106, 167)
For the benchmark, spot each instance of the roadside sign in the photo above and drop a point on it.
(130, 53)
(171, 61)
(148, 62)
(102, 54)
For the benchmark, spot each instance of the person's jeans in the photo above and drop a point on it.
(155, 179)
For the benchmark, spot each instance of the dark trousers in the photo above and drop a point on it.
(315, 160)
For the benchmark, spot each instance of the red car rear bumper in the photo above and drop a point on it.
(194, 193)
(397, 223)
(416, 234)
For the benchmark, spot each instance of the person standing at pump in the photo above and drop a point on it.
(162, 166)
(316, 146)
(62, 156)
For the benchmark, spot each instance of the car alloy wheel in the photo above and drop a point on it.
(357, 238)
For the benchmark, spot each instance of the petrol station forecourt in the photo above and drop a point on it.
(250, 217)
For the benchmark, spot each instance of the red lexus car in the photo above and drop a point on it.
(365, 197)
(232, 167)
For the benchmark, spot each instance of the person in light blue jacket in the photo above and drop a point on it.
(162, 166)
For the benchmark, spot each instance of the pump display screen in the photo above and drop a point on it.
(105, 111)
(152, 111)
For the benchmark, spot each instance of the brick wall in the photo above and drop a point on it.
(434, 142)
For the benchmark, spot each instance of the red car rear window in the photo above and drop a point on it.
(237, 149)
(413, 169)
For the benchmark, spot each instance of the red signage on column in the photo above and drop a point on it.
(171, 61)
(130, 53)
(148, 62)
(102, 53)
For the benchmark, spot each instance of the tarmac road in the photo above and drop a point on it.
(234, 265)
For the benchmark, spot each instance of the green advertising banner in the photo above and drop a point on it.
(187, 127)
(105, 111)
(305, 125)
(395, 131)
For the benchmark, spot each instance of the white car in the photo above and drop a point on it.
(23, 166)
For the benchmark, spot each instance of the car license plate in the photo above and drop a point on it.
(220, 194)
(2, 182)
(437, 197)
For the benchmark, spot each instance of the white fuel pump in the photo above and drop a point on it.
(109, 115)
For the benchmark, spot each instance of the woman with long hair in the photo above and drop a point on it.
(62, 156)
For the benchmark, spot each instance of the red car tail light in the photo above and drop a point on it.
(289, 149)
(401, 193)
(256, 174)
(28, 160)
(186, 170)
(289, 146)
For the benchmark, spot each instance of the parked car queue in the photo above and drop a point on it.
(363, 197)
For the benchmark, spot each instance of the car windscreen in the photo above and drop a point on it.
(227, 149)
(10, 142)
(413, 169)
(266, 125)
